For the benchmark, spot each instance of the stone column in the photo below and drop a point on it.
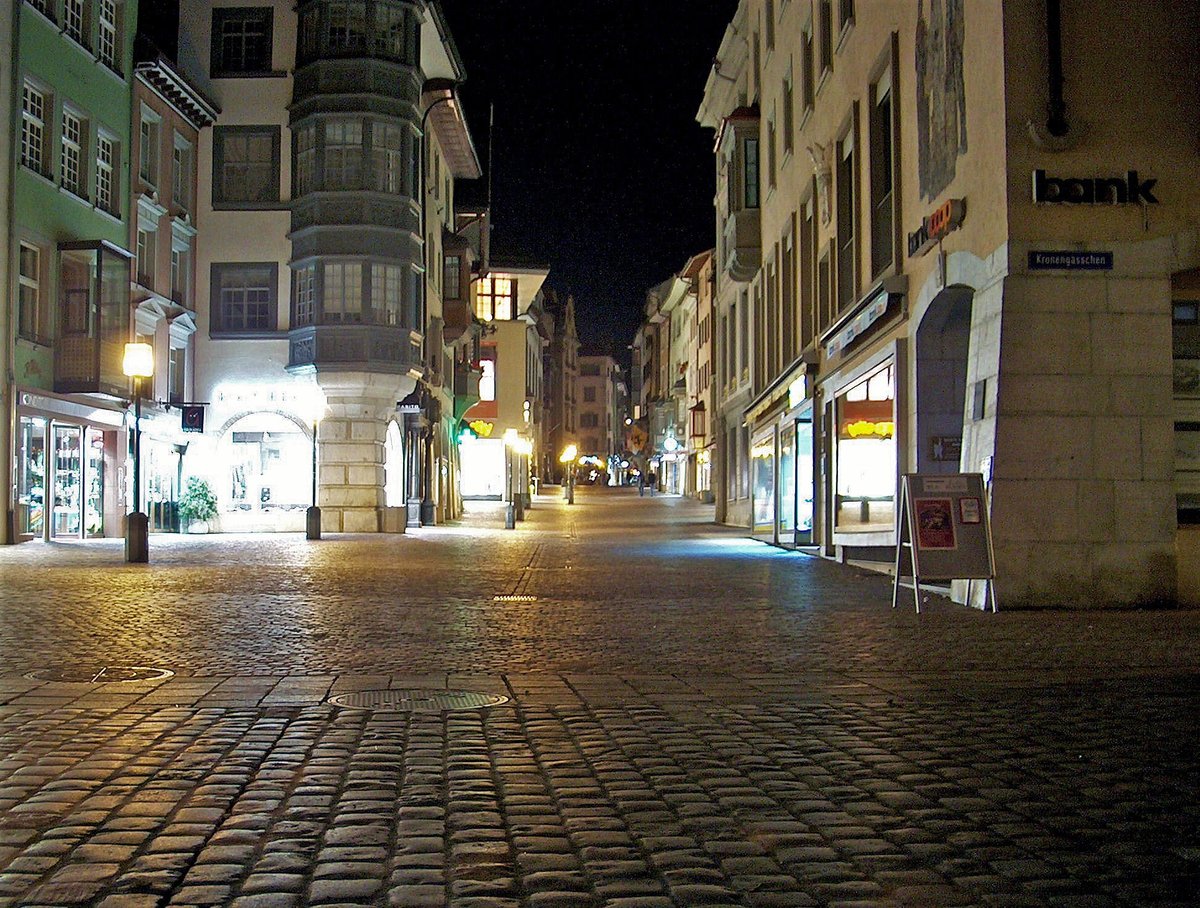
(352, 450)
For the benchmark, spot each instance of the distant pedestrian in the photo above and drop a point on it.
(652, 479)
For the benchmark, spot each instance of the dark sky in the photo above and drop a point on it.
(599, 168)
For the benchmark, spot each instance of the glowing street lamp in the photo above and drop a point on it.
(138, 364)
(570, 452)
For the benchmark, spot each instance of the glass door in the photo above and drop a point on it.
(94, 502)
(68, 482)
(31, 477)
(787, 485)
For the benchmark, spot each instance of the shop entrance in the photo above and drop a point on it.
(943, 342)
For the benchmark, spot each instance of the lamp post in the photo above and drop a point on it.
(567, 458)
(510, 514)
(138, 364)
(522, 448)
(312, 518)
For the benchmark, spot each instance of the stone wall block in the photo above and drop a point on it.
(1045, 510)
(1131, 344)
(1139, 295)
(1037, 344)
(365, 475)
(1053, 395)
(1096, 511)
(1144, 511)
(351, 497)
(360, 520)
(1044, 447)
(1134, 574)
(1117, 447)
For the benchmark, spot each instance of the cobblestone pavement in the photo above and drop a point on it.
(691, 719)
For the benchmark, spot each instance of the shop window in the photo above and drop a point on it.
(241, 40)
(762, 456)
(31, 475)
(245, 166)
(866, 454)
(244, 298)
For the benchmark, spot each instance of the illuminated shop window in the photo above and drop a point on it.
(866, 454)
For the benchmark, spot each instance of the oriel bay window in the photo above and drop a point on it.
(495, 299)
(94, 288)
(30, 313)
(341, 302)
(343, 154)
(353, 292)
(387, 157)
(385, 29)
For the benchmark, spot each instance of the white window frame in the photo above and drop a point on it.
(34, 102)
(73, 172)
(107, 186)
(149, 141)
(32, 283)
(108, 41)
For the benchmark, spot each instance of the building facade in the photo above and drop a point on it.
(69, 263)
(933, 259)
(601, 415)
(561, 398)
(326, 207)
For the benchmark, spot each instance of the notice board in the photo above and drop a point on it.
(944, 529)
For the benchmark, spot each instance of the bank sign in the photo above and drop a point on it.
(1128, 190)
(938, 225)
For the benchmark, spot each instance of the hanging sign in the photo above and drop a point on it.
(944, 533)
(191, 418)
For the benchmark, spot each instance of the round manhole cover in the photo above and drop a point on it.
(99, 674)
(419, 701)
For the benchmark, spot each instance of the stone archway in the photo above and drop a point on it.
(942, 346)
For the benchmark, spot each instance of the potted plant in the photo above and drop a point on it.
(198, 504)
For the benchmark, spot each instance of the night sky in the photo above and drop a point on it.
(599, 168)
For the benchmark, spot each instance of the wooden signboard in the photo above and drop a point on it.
(943, 532)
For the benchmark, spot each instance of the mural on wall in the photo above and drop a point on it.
(941, 100)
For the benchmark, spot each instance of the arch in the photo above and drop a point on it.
(942, 346)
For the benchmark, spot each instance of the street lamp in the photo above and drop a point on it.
(510, 515)
(570, 452)
(138, 364)
(312, 520)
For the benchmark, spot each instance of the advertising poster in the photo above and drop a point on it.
(935, 523)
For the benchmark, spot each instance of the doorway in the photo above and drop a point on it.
(943, 343)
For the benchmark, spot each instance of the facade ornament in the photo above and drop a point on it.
(823, 171)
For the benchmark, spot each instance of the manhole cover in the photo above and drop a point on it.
(515, 597)
(418, 701)
(99, 674)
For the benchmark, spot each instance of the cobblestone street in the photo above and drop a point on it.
(687, 718)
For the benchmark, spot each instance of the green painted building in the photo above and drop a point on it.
(65, 394)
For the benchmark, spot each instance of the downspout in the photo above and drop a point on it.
(1057, 133)
(8, 425)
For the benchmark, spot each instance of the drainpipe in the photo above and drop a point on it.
(1056, 107)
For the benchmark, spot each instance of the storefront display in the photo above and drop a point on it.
(31, 476)
(866, 457)
(762, 457)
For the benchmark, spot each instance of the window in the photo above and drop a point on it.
(883, 219)
(387, 302)
(1185, 312)
(750, 148)
(148, 130)
(181, 170)
(243, 297)
(744, 334)
(305, 138)
(387, 157)
(495, 299)
(487, 378)
(108, 45)
(304, 295)
(824, 290)
(146, 236)
(756, 68)
(809, 65)
(106, 173)
(389, 30)
(176, 374)
(589, 395)
(452, 278)
(241, 41)
(789, 104)
(245, 165)
(347, 28)
(180, 266)
(825, 21)
(33, 129)
(769, 16)
(847, 211)
(771, 143)
(845, 14)
(807, 298)
(29, 293)
(71, 171)
(341, 302)
(343, 154)
(74, 22)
